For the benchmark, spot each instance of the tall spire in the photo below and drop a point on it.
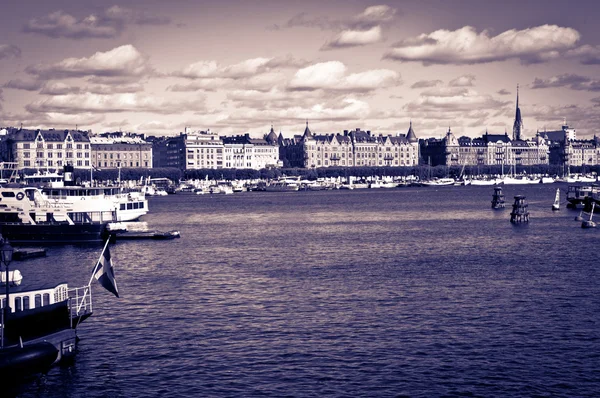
(518, 125)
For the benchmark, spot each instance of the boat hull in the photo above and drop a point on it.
(53, 233)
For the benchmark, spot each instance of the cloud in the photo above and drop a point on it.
(466, 46)
(354, 38)
(572, 81)
(246, 69)
(27, 85)
(454, 100)
(332, 76)
(115, 103)
(108, 24)
(374, 15)
(463, 81)
(119, 63)
(9, 51)
(503, 92)
(596, 101)
(587, 55)
(426, 83)
(367, 19)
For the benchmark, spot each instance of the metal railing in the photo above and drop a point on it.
(81, 301)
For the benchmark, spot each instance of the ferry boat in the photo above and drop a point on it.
(129, 206)
(39, 323)
(27, 217)
(580, 195)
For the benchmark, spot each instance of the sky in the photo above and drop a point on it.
(241, 66)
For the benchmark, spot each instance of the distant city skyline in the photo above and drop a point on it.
(237, 67)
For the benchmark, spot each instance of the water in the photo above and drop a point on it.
(404, 292)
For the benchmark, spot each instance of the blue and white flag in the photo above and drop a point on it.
(105, 274)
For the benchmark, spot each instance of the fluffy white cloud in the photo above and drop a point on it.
(9, 51)
(108, 24)
(353, 38)
(246, 69)
(115, 103)
(466, 46)
(332, 76)
(123, 61)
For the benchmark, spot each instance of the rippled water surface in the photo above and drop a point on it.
(400, 292)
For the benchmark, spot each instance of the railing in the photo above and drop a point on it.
(81, 301)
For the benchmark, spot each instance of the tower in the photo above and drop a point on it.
(518, 125)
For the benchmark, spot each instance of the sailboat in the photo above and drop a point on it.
(556, 204)
(589, 223)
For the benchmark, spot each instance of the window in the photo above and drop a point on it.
(38, 301)
(26, 145)
(58, 146)
(79, 146)
(26, 163)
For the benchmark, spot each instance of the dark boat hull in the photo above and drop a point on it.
(53, 233)
(19, 362)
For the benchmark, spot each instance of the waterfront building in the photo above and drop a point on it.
(115, 150)
(489, 149)
(354, 148)
(44, 149)
(244, 152)
(567, 150)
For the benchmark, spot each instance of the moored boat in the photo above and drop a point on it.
(39, 323)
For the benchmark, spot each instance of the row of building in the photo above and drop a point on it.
(352, 148)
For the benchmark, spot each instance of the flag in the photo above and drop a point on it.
(105, 274)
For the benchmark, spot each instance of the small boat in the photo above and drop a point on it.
(498, 199)
(439, 182)
(589, 223)
(556, 204)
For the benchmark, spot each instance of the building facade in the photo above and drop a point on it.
(355, 148)
(244, 152)
(46, 149)
(118, 150)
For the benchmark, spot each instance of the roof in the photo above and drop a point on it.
(49, 135)
(411, 136)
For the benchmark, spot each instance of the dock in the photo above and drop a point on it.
(27, 253)
(152, 235)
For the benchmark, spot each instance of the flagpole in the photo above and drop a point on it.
(98, 262)
(89, 285)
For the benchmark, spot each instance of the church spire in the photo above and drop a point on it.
(518, 125)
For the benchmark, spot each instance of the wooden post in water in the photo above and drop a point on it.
(519, 211)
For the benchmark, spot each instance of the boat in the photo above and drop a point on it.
(486, 181)
(556, 204)
(27, 217)
(547, 180)
(438, 182)
(498, 199)
(282, 185)
(579, 195)
(39, 323)
(589, 223)
(508, 180)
